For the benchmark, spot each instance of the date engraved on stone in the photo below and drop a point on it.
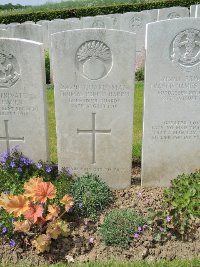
(9, 70)
(98, 24)
(185, 50)
(94, 59)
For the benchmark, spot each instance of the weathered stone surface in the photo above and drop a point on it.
(171, 132)
(173, 13)
(197, 11)
(115, 20)
(153, 13)
(23, 119)
(94, 86)
(45, 32)
(193, 10)
(97, 22)
(27, 31)
(4, 33)
(136, 22)
(3, 26)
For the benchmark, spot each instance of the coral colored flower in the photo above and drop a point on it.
(17, 205)
(23, 227)
(44, 191)
(53, 212)
(34, 214)
(68, 201)
(31, 187)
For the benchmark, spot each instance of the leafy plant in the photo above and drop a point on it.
(120, 225)
(36, 218)
(91, 195)
(180, 214)
(139, 75)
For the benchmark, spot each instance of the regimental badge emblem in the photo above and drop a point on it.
(9, 70)
(135, 23)
(185, 50)
(94, 59)
(173, 15)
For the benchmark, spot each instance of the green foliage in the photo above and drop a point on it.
(139, 75)
(120, 225)
(47, 67)
(181, 208)
(91, 195)
(89, 11)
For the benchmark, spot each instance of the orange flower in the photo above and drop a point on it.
(68, 201)
(22, 226)
(53, 212)
(44, 191)
(31, 187)
(17, 205)
(34, 214)
(4, 199)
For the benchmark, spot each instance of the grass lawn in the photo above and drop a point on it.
(137, 137)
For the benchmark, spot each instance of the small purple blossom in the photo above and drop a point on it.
(168, 219)
(15, 148)
(139, 228)
(136, 235)
(12, 220)
(4, 230)
(39, 165)
(48, 169)
(19, 169)
(161, 229)
(145, 226)
(12, 243)
(12, 164)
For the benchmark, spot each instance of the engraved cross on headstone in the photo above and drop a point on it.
(93, 131)
(7, 138)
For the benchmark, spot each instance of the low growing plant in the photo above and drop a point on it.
(139, 75)
(120, 226)
(35, 217)
(180, 214)
(91, 195)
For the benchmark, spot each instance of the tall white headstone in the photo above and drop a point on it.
(94, 88)
(136, 22)
(173, 13)
(197, 11)
(23, 110)
(193, 10)
(171, 133)
(27, 31)
(97, 22)
(45, 32)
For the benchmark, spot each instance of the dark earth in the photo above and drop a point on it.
(84, 244)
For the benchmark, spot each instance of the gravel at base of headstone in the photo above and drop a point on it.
(94, 89)
(23, 107)
(171, 133)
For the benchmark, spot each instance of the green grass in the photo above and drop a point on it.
(137, 136)
(114, 263)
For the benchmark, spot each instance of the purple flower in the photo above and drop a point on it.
(91, 240)
(15, 148)
(161, 229)
(19, 169)
(4, 230)
(139, 228)
(12, 164)
(39, 165)
(168, 219)
(12, 243)
(136, 235)
(145, 226)
(12, 220)
(48, 169)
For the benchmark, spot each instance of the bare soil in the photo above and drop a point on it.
(84, 243)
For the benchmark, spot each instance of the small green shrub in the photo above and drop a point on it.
(139, 75)
(181, 207)
(47, 67)
(120, 225)
(91, 195)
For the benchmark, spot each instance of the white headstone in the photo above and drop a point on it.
(193, 10)
(173, 13)
(115, 20)
(153, 13)
(3, 26)
(171, 133)
(45, 30)
(23, 118)
(136, 22)
(97, 22)
(197, 11)
(28, 22)
(26, 31)
(4, 33)
(94, 88)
